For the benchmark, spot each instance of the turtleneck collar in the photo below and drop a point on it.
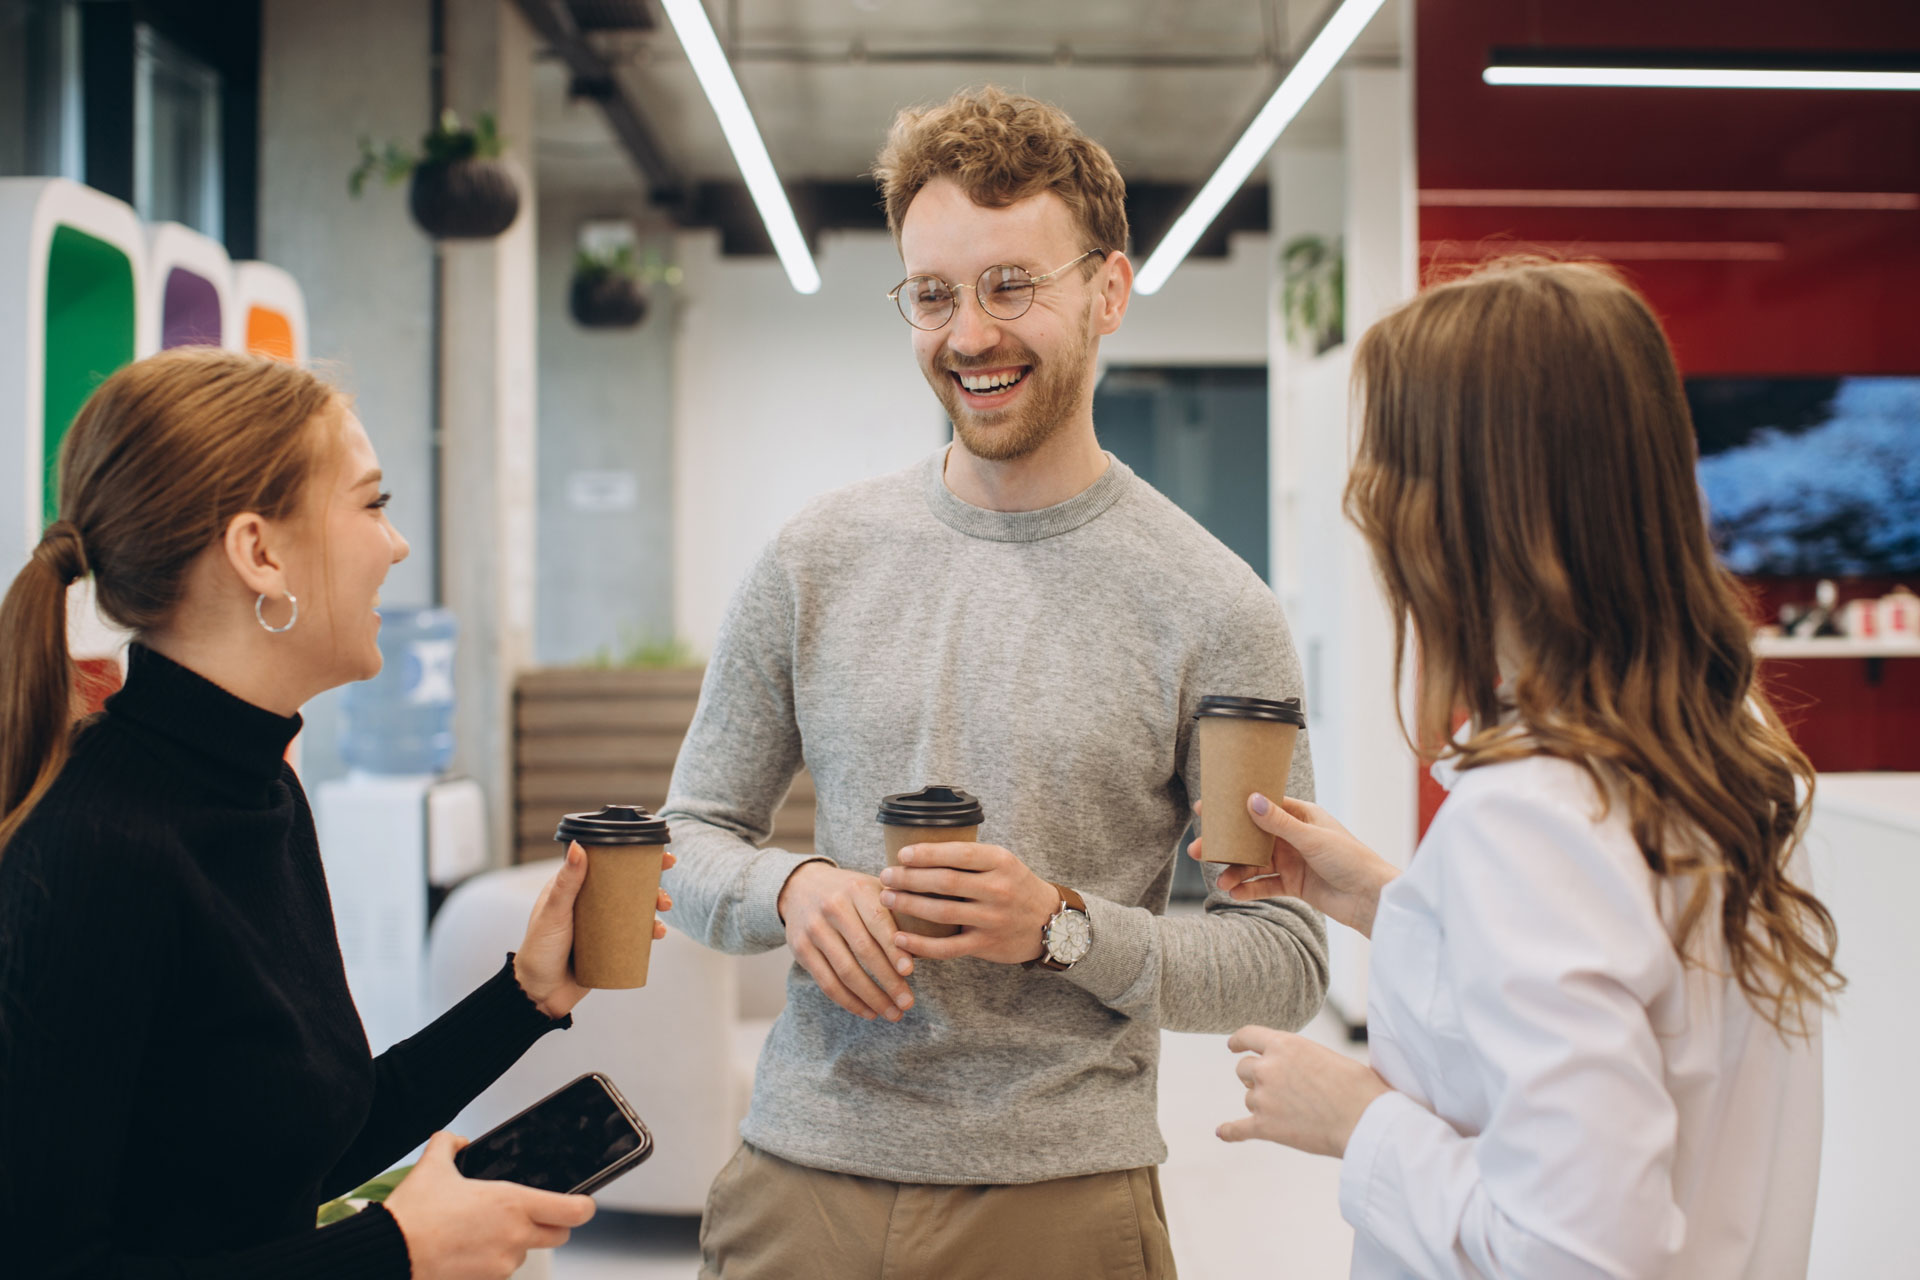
(224, 740)
(1022, 526)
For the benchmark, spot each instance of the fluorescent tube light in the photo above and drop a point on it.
(1305, 76)
(1700, 78)
(1703, 68)
(691, 24)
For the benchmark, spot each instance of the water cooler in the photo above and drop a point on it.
(398, 832)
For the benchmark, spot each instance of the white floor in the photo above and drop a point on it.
(1246, 1210)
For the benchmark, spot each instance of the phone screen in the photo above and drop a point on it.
(562, 1143)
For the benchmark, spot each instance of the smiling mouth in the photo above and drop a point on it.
(990, 382)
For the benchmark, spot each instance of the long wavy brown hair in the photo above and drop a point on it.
(1525, 478)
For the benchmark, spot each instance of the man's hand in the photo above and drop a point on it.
(1003, 909)
(841, 935)
(1299, 1094)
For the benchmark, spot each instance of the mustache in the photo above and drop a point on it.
(998, 358)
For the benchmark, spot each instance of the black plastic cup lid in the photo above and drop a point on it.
(932, 807)
(615, 824)
(1285, 711)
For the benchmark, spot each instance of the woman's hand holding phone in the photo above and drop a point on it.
(1314, 858)
(474, 1229)
(544, 963)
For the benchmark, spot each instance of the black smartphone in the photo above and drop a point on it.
(575, 1140)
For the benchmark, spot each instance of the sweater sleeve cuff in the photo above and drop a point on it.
(1120, 963)
(370, 1244)
(767, 875)
(502, 1000)
(367, 1246)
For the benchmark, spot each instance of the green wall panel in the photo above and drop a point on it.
(90, 331)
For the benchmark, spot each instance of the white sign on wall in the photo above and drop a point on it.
(603, 491)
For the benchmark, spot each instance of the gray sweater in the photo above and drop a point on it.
(893, 636)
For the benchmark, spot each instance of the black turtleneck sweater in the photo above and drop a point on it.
(183, 1077)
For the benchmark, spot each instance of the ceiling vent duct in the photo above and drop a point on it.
(611, 15)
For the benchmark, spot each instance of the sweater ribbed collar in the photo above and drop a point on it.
(226, 740)
(1021, 526)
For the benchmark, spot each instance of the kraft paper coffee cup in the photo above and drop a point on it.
(932, 815)
(1246, 745)
(613, 916)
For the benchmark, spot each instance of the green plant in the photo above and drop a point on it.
(649, 268)
(361, 1196)
(448, 142)
(1313, 292)
(643, 650)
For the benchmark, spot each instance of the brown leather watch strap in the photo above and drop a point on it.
(1068, 900)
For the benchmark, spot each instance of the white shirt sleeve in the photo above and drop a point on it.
(1552, 949)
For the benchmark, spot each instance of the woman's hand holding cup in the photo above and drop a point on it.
(544, 963)
(1314, 858)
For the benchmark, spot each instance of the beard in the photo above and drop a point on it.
(1053, 394)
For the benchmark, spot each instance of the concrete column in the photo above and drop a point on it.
(606, 450)
(1307, 190)
(487, 418)
(330, 75)
(1365, 193)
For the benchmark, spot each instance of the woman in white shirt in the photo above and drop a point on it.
(1594, 997)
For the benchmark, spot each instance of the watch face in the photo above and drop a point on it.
(1069, 937)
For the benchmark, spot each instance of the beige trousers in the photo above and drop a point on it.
(768, 1219)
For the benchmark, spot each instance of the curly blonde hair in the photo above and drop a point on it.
(1000, 148)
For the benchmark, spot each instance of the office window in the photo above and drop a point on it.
(1199, 436)
(176, 131)
(40, 133)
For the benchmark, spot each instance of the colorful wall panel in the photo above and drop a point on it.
(270, 311)
(71, 265)
(84, 289)
(189, 288)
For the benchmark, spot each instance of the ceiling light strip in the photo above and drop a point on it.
(695, 29)
(1308, 72)
(1698, 78)
(1547, 198)
(1611, 250)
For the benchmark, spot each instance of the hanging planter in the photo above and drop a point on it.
(606, 301)
(1313, 295)
(460, 188)
(609, 289)
(464, 199)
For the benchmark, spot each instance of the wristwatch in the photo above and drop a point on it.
(1066, 938)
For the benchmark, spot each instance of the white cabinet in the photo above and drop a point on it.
(1865, 847)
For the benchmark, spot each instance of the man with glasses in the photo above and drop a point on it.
(1023, 618)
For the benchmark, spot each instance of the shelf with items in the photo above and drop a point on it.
(1789, 647)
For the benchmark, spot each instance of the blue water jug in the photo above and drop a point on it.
(401, 721)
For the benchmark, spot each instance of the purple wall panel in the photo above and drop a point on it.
(190, 311)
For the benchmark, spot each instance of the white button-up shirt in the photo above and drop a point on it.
(1572, 1101)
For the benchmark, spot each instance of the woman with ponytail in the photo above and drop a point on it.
(183, 1078)
(1594, 997)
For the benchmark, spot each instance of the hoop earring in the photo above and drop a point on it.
(260, 601)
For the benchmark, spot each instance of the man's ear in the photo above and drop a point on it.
(252, 555)
(1116, 291)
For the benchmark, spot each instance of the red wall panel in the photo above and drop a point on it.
(1815, 291)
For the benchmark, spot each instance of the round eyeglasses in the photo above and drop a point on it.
(1005, 292)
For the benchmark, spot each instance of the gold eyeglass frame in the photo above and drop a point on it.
(955, 287)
